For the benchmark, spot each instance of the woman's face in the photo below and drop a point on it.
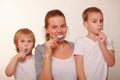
(56, 27)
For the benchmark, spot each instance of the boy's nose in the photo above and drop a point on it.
(26, 44)
(100, 24)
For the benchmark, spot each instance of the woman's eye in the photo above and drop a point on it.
(54, 27)
(63, 26)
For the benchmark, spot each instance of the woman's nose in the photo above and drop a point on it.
(59, 30)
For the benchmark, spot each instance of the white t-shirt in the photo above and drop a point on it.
(26, 70)
(63, 69)
(94, 64)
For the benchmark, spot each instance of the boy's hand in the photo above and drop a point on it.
(21, 56)
(101, 38)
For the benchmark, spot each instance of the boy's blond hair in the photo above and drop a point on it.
(86, 12)
(23, 31)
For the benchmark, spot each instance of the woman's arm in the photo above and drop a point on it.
(80, 67)
(46, 73)
(46, 69)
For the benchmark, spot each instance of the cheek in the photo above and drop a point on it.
(52, 32)
(31, 45)
(65, 30)
(20, 47)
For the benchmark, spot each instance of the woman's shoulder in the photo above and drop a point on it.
(39, 46)
(70, 43)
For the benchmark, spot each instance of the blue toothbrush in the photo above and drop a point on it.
(25, 50)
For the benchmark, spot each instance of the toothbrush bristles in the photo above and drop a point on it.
(60, 36)
(24, 50)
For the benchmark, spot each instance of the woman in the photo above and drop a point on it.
(54, 58)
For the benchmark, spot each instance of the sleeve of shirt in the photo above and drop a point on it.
(78, 47)
(110, 44)
(39, 52)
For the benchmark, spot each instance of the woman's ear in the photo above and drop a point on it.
(46, 30)
(85, 24)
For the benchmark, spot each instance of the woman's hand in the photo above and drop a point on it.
(50, 46)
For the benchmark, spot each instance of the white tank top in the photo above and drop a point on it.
(26, 70)
(63, 69)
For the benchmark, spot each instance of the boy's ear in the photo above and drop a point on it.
(85, 24)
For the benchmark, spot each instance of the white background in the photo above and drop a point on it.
(16, 14)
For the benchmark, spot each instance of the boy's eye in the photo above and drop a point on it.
(22, 41)
(94, 21)
(101, 21)
(29, 40)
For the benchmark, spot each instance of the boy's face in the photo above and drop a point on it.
(94, 24)
(25, 43)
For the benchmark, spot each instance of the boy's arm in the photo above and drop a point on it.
(11, 67)
(80, 67)
(108, 55)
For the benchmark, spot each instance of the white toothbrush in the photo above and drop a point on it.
(60, 37)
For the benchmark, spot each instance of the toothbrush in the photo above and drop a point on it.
(25, 51)
(101, 30)
(60, 37)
